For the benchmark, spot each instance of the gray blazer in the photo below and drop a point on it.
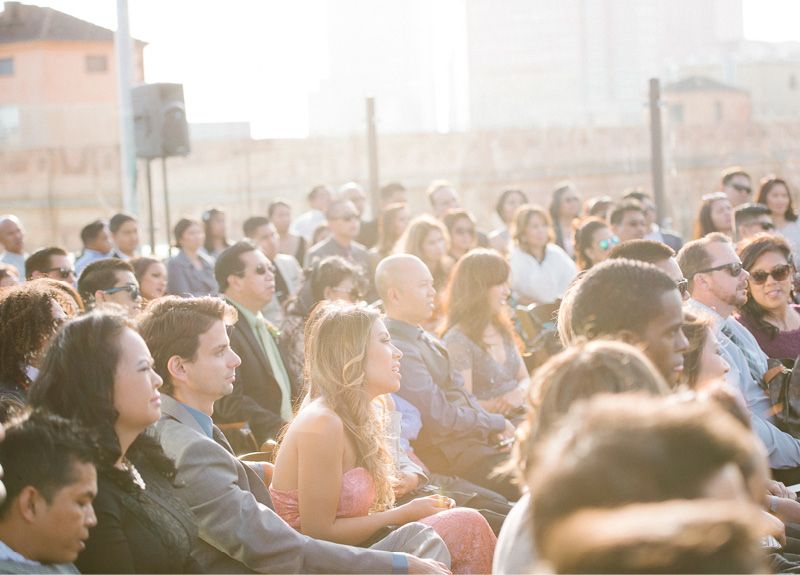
(185, 280)
(238, 530)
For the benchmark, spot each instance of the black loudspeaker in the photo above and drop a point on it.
(159, 115)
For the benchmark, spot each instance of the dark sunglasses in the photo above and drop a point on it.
(767, 226)
(778, 273)
(260, 269)
(65, 272)
(605, 244)
(742, 188)
(683, 286)
(355, 294)
(134, 291)
(734, 268)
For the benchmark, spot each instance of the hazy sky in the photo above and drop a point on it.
(256, 60)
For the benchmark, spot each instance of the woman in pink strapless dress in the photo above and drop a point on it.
(334, 458)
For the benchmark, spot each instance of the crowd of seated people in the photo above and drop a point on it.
(368, 402)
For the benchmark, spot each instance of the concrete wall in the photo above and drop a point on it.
(58, 190)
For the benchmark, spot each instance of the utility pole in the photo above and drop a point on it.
(372, 150)
(657, 151)
(127, 150)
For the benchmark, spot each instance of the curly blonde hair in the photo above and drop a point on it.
(336, 339)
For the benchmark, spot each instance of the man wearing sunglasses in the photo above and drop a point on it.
(718, 285)
(736, 183)
(50, 263)
(263, 394)
(752, 219)
(344, 222)
(110, 281)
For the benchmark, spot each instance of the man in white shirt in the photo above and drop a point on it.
(12, 238)
(319, 198)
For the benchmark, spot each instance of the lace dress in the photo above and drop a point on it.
(490, 378)
(466, 533)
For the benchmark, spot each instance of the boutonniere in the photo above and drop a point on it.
(274, 332)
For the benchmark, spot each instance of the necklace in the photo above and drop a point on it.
(137, 478)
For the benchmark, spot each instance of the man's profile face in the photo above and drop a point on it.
(124, 297)
(344, 221)
(102, 243)
(416, 292)
(212, 370)
(266, 238)
(63, 524)
(127, 237)
(663, 340)
(730, 291)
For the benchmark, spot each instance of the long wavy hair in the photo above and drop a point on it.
(750, 249)
(412, 240)
(336, 339)
(467, 297)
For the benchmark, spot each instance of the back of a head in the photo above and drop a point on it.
(172, 326)
(100, 275)
(650, 251)
(630, 448)
(90, 232)
(709, 536)
(388, 191)
(40, 450)
(617, 295)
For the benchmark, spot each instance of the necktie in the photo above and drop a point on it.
(276, 363)
(752, 364)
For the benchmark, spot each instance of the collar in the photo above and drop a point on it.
(202, 419)
(31, 372)
(402, 328)
(697, 307)
(251, 318)
(8, 554)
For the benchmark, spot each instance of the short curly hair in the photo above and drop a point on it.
(26, 325)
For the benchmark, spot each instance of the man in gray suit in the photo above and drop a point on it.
(238, 529)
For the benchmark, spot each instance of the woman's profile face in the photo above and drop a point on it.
(136, 396)
(217, 225)
(401, 222)
(382, 364)
(433, 246)
(772, 295)
(192, 238)
(778, 199)
(722, 215)
(498, 297)
(712, 365)
(154, 281)
(537, 233)
(602, 243)
(570, 205)
(281, 218)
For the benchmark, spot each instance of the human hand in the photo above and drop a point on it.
(775, 527)
(778, 489)
(425, 507)
(493, 405)
(513, 399)
(405, 483)
(423, 566)
(501, 436)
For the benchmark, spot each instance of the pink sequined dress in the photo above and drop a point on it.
(466, 533)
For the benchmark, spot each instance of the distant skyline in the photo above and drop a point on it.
(257, 60)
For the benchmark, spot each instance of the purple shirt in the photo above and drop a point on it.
(786, 344)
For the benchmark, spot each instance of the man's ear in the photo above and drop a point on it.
(628, 336)
(100, 297)
(391, 296)
(30, 502)
(176, 366)
(234, 281)
(36, 274)
(701, 281)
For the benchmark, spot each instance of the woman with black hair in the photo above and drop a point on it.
(99, 372)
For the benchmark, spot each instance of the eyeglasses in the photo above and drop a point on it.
(742, 188)
(65, 272)
(347, 218)
(767, 226)
(606, 244)
(260, 269)
(778, 273)
(469, 231)
(134, 291)
(734, 268)
(683, 286)
(354, 293)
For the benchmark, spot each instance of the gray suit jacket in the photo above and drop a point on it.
(239, 532)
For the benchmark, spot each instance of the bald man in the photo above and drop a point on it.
(458, 436)
(12, 238)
